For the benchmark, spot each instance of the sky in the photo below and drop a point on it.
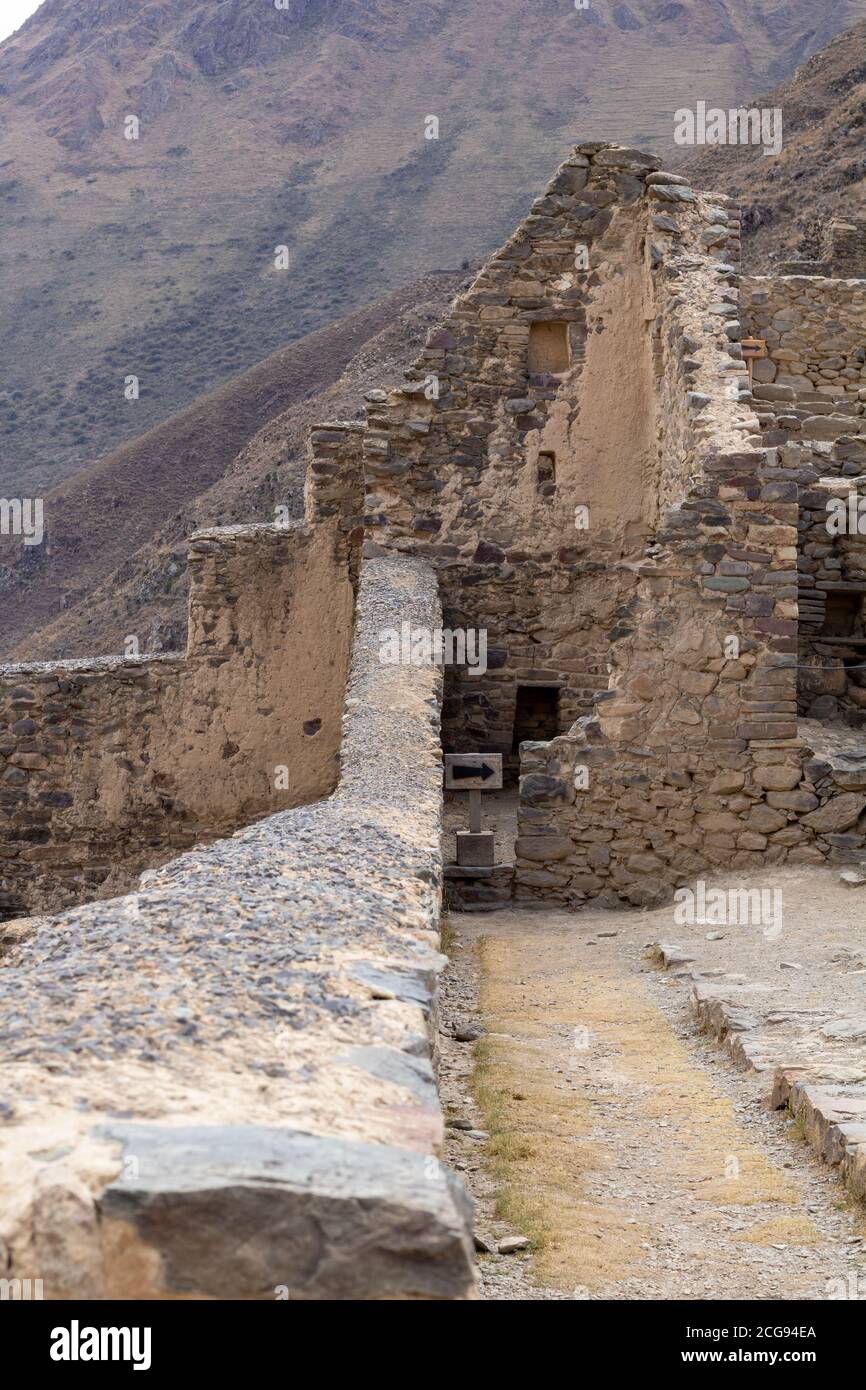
(13, 14)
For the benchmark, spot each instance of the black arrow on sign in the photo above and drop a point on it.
(463, 770)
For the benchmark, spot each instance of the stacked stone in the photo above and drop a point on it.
(812, 384)
(449, 458)
(441, 467)
(848, 248)
(334, 487)
(832, 683)
(107, 767)
(692, 760)
(694, 763)
(239, 1058)
(685, 750)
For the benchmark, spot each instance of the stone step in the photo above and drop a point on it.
(818, 1061)
(479, 889)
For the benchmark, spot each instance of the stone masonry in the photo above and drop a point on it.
(108, 767)
(222, 1085)
(580, 467)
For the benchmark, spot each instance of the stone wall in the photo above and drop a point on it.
(841, 253)
(814, 377)
(673, 774)
(848, 248)
(832, 592)
(692, 759)
(222, 1085)
(542, 393)
(109, 766)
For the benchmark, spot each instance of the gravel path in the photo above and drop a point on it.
(680, 1183)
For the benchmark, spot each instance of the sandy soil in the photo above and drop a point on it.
(639, 1162)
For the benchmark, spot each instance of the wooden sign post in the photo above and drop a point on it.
(474, 773)
(753, 348)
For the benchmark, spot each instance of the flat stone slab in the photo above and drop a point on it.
(239, 1212)
(791, 1008)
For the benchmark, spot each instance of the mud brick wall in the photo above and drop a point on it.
(108, 767)
(539, 394)
(691, 760)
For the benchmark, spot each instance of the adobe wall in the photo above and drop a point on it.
(692, 759)
(109, 766)
(254, 1032)
(464, 480)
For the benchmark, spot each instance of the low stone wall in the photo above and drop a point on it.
(815, 331)
(222, 1086)
(109, 766)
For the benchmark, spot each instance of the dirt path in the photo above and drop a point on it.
(629, 1150)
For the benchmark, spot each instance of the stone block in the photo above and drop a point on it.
(837, 814)
(475, 848)
(543, 848)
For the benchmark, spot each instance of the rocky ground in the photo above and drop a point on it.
(595, 1120)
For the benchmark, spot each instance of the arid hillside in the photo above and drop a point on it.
(821, 171)
(302, 127)
(114, 563)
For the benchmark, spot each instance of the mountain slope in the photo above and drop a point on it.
(305, 128)
(821, 171)
(116, 561)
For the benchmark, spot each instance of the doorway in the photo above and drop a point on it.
(536, 714)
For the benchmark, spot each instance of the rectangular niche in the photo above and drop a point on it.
(536, 714)
(546, 474)
(842, 615)
(549, 352)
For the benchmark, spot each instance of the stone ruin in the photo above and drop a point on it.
(840, 252)
(616, 458)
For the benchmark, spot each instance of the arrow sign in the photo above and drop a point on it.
(460, 770)
(473, 771)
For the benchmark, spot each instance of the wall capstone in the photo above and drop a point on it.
(262, 1015)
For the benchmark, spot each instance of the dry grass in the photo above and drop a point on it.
(447, 934)
(784, 1230)
(540, 1118)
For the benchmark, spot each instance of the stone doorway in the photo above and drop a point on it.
(536, 714)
